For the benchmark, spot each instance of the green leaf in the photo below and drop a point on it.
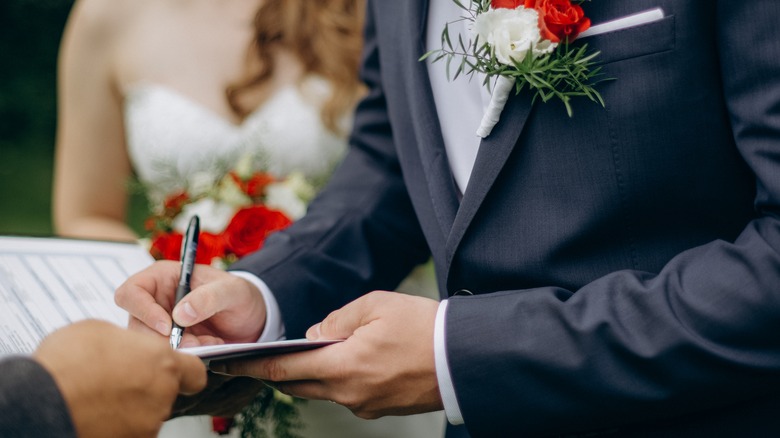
(446, 35)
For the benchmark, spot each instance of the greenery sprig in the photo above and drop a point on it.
(563, 72)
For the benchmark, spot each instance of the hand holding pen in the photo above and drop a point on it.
(189, 251)
(232, 305)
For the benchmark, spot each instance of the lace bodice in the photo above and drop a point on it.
(173, 140)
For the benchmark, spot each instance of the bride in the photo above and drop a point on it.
(168, 90)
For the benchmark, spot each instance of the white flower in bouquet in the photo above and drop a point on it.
(230, 193)
(245, 166)
(290, 195)
(214, 215)
(200, 183)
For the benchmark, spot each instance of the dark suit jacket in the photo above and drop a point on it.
(624, 263)
(30, 403)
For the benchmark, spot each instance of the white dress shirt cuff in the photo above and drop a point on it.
(446, 388)
(274, 327)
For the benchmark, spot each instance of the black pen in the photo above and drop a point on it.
(188, 254)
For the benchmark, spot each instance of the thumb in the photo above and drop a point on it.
(204, 302)
(342, 323)
(192, 373)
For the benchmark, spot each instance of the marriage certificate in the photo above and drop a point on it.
(47, 283)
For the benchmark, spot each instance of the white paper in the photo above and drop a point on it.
(255, 349)
(47, 283)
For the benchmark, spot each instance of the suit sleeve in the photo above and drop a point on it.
(631, 346)
(359, 234)
(30, 402)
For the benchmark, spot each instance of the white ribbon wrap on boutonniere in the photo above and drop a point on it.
(523, 43)
(498, 100)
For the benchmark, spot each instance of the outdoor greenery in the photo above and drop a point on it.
(30, 32)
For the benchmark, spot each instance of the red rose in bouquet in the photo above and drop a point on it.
(250, 226)
(167, 246)
(237, 211)
(210, 246)
(255, 185)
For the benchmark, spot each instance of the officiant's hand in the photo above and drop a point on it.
(221, 308)
(117, 383)
(384, 367)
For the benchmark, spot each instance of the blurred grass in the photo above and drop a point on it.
(25, 178)
(30, 32)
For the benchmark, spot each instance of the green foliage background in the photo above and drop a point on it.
(30, 32)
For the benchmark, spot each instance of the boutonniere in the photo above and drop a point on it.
(522, 43)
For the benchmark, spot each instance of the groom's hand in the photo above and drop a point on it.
(220, 308)
(384, 367)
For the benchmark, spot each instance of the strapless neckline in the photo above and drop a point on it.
(198, 106)
(173, 139)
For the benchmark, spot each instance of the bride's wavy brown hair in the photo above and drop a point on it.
(325, 36)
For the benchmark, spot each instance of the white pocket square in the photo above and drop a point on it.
(633, 20)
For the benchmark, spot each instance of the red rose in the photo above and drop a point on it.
(176, 201)
(505, 4)
(150, 224)
(247, 230)
(167, 246)
(559, 20)
(222, 425)
(255, 185)
(209, 246)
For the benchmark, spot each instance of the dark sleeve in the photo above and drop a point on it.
(360, 233)
(632, 346)
(30, 403)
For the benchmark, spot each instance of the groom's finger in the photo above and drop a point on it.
(342, 323)
(319, 364)
(144, 308)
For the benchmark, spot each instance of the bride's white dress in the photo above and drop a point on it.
(173, 141)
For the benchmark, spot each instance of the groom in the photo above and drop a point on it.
(615, 272)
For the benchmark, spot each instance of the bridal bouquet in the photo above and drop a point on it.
(236, 214)
(522, 43)
(238, 208)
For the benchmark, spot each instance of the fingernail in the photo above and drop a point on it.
(185, 313)
(187, 343)
(163, 328)
(314, 332)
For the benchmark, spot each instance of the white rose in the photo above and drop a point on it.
(282, 197)
(229, 192)
(244, 166)
(512, 34)
(199, 183)
(298, 183)
(214, 216)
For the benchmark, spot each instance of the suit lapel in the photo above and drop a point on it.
(454, 219)
(441, 186)
(493, 153)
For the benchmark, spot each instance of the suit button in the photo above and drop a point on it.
(462, 292)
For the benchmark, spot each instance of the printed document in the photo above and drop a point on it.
(47, 283)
